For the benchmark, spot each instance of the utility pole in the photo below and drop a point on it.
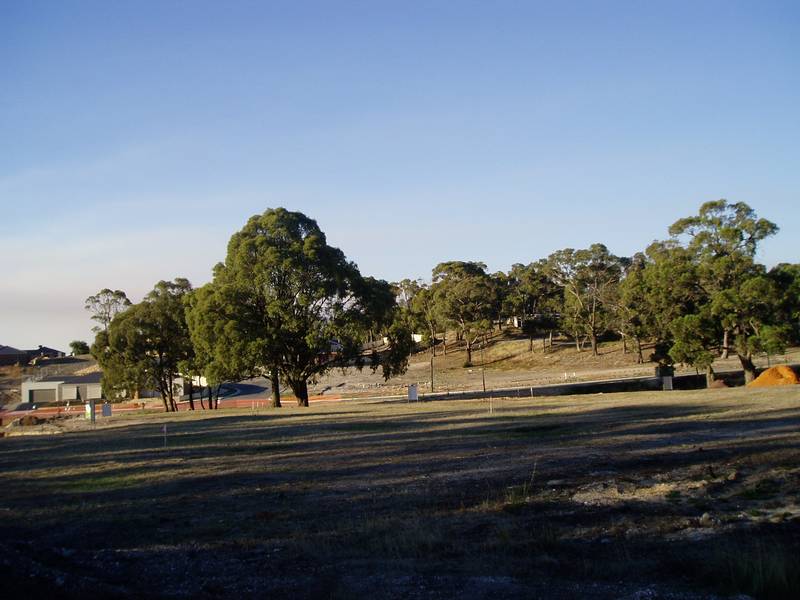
(483, 363)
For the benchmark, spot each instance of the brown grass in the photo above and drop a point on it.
(604, 490)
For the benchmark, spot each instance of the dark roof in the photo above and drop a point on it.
(10, 350)
(44, 350)
(88, 378)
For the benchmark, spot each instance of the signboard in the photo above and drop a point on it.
(106, 409)
(90, 410)
(413, 396)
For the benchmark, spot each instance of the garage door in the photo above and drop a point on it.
(38, 396)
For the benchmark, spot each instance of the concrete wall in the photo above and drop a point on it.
(65, 392)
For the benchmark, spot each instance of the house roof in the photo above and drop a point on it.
(10, 350)
(77, 379)
(44, 349)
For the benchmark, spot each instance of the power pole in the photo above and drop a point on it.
(483, 363)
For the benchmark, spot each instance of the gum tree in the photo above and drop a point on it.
(105, 305)
(294, 304)
(723, 239)
(466, 297)
(146, 344)
(589, 278)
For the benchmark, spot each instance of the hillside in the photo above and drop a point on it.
(509, 363)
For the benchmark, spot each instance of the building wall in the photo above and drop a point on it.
(64, 392)
(27, 386)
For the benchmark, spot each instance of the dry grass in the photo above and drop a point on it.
(542, 489)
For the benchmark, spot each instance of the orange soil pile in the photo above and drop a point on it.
(780, 375)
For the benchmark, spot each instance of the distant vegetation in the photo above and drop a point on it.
(285, 304)
(78, 347)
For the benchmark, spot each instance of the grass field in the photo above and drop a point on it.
(677, 495)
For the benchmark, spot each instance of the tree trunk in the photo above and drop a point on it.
(748, 366)
(444, 341)
(709, 375)
(593, 339)
(469, 353)
(530, 343)
(191, 393)
(166, 402)
(578, 343)
(171, 394)
(550, 339)
(202, 404)
(624, 344)
(639, 357)
(725, 342)
(300, 389)
(275, 383)
(216, 397)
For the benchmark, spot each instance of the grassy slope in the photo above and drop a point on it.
(509, 363)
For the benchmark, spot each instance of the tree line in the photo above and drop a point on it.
(697, 295)
(286, 305)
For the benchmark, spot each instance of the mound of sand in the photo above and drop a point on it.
(780, 375)
(718, 384)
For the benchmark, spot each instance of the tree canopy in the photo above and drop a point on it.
(287, 305)
(79, 347)
(145, 345)
(466, 298)
(105, 305)
(284, 299)
(723, 239)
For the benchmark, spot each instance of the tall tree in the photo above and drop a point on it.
(787, 279)
(589, 278)
(724, 238)
(424, 314)
(221, 351)
(146, 344)
(466, 297)
(105, 305)
(660, 285)
(532, 298)
(405, 291)
(297, 304)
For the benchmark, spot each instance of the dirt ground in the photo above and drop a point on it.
(506, 362)
(640, 496)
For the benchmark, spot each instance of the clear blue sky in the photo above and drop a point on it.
(135, 137)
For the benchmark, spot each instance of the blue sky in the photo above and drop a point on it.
(136, 137)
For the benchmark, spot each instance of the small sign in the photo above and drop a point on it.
(413, 395)
(90, 410)
(106, 409)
